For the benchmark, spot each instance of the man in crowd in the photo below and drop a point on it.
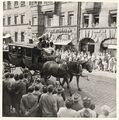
(67, 111)
(48, 104)
(28, 101)
(78, 104)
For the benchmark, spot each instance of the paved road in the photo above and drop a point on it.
(101, 88)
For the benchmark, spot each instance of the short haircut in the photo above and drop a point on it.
(69, 103)
(92, 106)
(36, 88)
(30, 89)
(7, 75)
(45, 89)
(16, 77)
(50, 88)
(21, 76)
(25, 75)
(11, 75)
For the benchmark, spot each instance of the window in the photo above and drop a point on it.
(4, 6)
(9, 20)
(33, 3)
(113, 19)
(15, 19)
(62, 20)
(49, 21)
(86, 21)
(3, 21)
(34, 21)
(22, 3)
(70, 18)
(22, 36)
(22, 19)
(8, 4)
(15, 4)
(16, 36)
(95, 20)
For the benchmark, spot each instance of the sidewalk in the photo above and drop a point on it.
(102, 73)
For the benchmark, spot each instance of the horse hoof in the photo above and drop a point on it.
(79, 89)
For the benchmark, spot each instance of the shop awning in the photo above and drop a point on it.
(108, 42)
(65, 42)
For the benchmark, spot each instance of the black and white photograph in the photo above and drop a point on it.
(59, 59)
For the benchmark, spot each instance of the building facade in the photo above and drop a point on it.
(89, 26)
(60, 21)
(98, 30)
(21, 20)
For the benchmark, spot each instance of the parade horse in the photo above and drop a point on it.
(57, 70)
(76, 69)
(66, 70)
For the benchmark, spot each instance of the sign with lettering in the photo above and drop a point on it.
(62, 34)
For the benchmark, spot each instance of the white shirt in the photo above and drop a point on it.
(80, 112)
(64, 112)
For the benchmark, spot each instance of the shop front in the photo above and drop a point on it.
(65, 37)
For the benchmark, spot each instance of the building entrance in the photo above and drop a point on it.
(87, 45)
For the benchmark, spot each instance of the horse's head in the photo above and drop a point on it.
(88, 65)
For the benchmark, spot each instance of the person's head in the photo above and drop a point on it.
(36, 88)
(69, 102)
(51, 44)
(60, 90)
(30, 89)
(21, 76)
(45, 89)
(25, 75)
(7, 75)
(105, 110)
(16, 77)
(76, 97)
(38, 80)
(40, 39)
(11, 75)
(86, 102)
(50, 88)
(92, 106)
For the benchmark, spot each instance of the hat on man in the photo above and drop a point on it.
(60, 90)
(76, 97)
(86, 102)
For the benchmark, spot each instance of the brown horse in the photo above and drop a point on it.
(57, 70)
(67, 70)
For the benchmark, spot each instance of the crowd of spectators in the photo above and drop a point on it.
(24, 99)
(101, 61)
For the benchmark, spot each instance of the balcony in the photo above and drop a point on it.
(92, 7)
(48, 7)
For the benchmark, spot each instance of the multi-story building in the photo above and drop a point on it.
(60, 21)
(89, 26)
(23, 20)
(98, 27)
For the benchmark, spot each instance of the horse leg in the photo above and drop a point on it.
(77, 78)
(70, 78)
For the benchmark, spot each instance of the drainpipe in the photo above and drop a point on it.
(78, 24)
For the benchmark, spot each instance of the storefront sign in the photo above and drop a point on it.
(62, 34)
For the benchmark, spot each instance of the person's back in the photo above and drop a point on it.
(77, 106)
(67, 111)
(48, 104)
